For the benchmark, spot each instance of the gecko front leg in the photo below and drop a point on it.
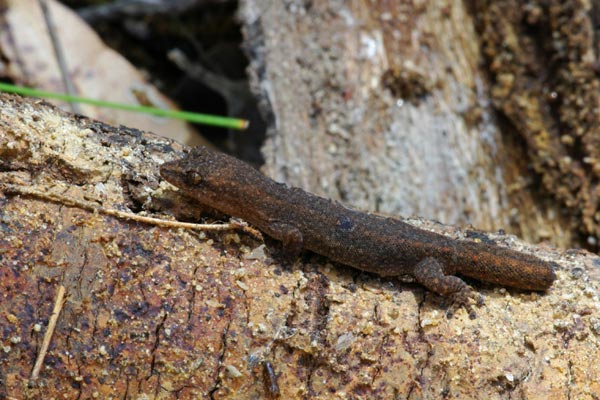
(290, 236)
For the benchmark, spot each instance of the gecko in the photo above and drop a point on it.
(382, 245)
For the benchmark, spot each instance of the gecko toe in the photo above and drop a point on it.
(466, 298)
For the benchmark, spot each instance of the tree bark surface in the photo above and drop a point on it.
(154, 312)
(482, 113)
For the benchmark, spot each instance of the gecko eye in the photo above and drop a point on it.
(193, 178)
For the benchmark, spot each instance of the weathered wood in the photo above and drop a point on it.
(167, 313)
(386, 106)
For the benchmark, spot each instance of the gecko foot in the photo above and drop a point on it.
(291, 239)
(430, 273)
(465, 298)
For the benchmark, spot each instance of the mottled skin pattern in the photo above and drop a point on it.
(369, 242)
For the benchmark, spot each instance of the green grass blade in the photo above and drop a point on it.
(206, 119)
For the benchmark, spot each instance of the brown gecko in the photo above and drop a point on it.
(369, 242)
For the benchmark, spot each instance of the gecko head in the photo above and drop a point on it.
(193, 177)
(201, 172)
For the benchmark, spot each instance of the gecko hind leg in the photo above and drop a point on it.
(430, 273)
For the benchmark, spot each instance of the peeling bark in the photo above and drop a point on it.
(482, 113)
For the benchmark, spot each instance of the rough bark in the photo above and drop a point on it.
(482, 113)
(543, 62)
(167, 313)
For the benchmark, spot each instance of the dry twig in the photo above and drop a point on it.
(232, 225)
(58, 304)
(60, 55)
